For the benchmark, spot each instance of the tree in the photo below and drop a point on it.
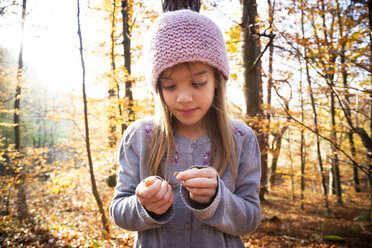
(87, 141)
(112, 82)
(127, 11)
(17, 98)
(252, 77)
(22, 206)
(315, 114)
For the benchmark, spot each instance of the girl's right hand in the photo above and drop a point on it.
(155, 195)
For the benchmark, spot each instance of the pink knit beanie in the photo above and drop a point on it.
(186, 36)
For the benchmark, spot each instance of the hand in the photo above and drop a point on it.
(201, 183)
(155, 195)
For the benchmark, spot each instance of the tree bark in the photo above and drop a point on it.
(344, 72)
(302, 145)
(125, 11)
(276, 152)
(269, 90)
(112, 83)
(315, 119)
(370, 108)
(90, 161)
(252, 79)
(329, 72)
(18, 91)
(172, 5)
(22, 212)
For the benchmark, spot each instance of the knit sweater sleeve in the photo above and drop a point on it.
(235, 213)
(125, 209)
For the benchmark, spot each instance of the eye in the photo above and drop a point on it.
(168, 87)
(198, 85)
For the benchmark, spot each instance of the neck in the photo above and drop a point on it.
(191, 132)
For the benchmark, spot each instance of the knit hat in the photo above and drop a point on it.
(185, 36)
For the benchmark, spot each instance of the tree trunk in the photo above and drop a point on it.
(344, 73)
(112, 139)
(90, 161)
(252, 78)
(22, 212)
(291, 164)
(370, 107)
(172, 5)
(269, 90)
(125, 11)
(276, 152)
(336, 186)
(329, 72)
(302, 147)
(302, 139)
(17, 101)
(320, 163)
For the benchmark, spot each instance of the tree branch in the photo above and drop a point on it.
(261, 54)
(327, 139)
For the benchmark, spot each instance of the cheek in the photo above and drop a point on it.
(167, 99)
(207, 97)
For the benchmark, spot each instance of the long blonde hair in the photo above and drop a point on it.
(220, 132)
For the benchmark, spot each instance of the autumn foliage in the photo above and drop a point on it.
(316, 122)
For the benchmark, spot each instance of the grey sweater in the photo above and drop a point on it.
(234, 211)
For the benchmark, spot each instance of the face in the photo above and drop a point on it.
(188, 91)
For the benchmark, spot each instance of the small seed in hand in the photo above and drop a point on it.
(176, 173)
(148, 182)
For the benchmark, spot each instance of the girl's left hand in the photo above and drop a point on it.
(201, 183)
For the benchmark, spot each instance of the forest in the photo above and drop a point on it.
(73, 77)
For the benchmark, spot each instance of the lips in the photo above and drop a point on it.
(186, 112)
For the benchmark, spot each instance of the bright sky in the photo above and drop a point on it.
(51, 41)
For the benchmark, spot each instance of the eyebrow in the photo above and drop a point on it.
(193, 75)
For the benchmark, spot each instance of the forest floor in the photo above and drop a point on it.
(285, 224)
(71, 220)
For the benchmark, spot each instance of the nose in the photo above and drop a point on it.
(184, 96)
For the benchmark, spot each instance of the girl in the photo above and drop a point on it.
(188, 177)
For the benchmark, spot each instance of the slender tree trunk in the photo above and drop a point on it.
(329, 70)
(370, 65)
(125, 10)
(252, 78)
(291, 164)
(17, 101)
(112, 83)
(269, 90)
(320, 162)
(302, 146)
(302, 139)
(277, 144)
(336, 186)
(370, 107)
(344, 73)
(22, 212)
(90, 161)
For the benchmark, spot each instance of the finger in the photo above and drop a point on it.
(150, 191)
(161, 192)
(162, 205)
(162, 209)
(195, 172)
(201, 182)
(167, 199)
(202, 191)
(200, 199)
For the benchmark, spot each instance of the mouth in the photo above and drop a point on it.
(186, 112)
